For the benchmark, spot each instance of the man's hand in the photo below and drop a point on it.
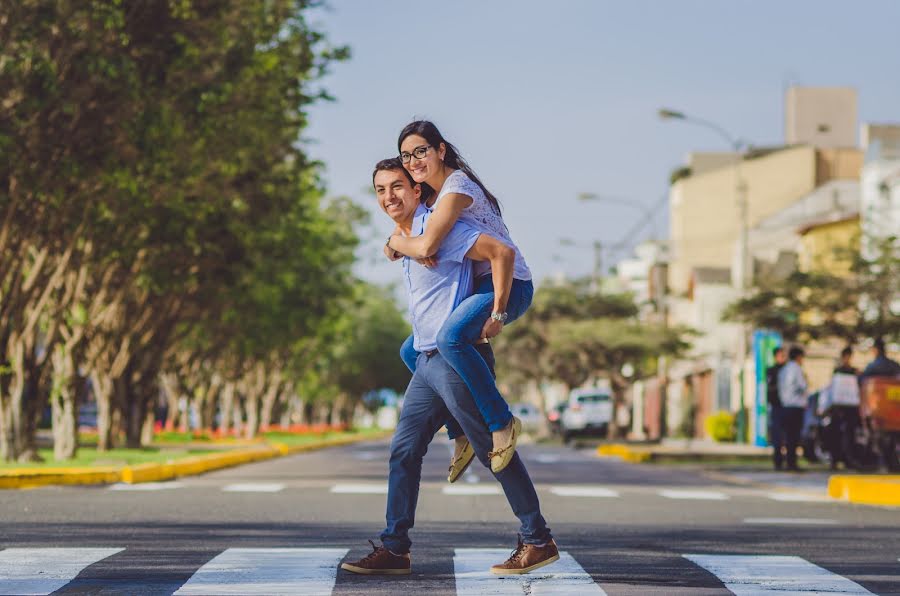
(427, 261)
(492, 328)
(392, 254)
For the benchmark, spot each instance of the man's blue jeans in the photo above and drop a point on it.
(454, 342)
(436, 393)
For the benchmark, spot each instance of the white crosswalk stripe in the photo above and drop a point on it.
(760, 575)
(276, 571)
(253, 487)
(146, 486)
(45, 570)
(474, 578)
(472, 489)
(360, 489)
(583, 491)
(790, 521)
(698, 495)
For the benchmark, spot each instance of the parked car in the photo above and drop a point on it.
(528, 414)
(589, 411)
(554, 418)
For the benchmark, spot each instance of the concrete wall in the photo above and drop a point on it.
(704, 218)
(824, 117)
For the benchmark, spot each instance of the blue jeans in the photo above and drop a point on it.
(435, 393)
(454, 342)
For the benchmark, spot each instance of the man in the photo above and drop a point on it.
(792, 390)
(881, 366)
(840, 401)
(436, 391)
(776, 436)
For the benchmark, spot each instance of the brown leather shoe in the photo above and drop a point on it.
(380, 561)
(463, 454)
(527, 557)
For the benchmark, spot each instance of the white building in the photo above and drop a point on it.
(880, 182)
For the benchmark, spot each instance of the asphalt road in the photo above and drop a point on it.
(283, 525)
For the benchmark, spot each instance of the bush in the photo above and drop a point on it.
(720, 426)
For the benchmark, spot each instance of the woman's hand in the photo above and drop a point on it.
(427, 261)
(392, 254)
(492, 328)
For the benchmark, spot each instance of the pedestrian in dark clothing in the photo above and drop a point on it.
(881, 366)
(776, 437)
(792, 390)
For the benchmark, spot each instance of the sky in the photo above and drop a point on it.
(547, 100)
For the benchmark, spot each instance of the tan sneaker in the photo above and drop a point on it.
(463, 454)
(527, 557)
(505, 444)
(380, 561)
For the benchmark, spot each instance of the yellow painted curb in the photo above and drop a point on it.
(624, 452)
(157, 472)
(32, 477)
(866, 490)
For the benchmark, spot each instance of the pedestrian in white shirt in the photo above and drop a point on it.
(793, 391)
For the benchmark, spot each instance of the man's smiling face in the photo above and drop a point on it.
(396, 196)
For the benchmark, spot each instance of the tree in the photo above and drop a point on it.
(859, 299)
(571, 335)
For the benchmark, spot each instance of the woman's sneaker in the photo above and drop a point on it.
(463, 454)
(505, 444)
(527, 557)
(380, 561)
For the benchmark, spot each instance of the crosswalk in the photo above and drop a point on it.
(492, 488)
(314, 571)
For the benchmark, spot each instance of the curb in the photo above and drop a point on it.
(157, 472)
(866, 490)
(625, 453)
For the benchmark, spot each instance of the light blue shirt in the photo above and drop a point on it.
(792, 386)
(435, 291)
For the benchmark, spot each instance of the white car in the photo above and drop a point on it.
(588, 411)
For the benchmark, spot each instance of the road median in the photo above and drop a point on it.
(866, 489)
(683, 452)
(176, 468)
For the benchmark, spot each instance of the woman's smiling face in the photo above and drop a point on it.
(424, 159)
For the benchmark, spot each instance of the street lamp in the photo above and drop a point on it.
(598, 257)
(740, 192)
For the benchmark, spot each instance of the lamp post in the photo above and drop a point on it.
(740, 195)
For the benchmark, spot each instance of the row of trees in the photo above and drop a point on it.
(160, 223)
(856, 296)
(572, 334)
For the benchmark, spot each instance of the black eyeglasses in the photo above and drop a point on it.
(419, 153)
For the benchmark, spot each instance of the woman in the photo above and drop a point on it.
(456, 193)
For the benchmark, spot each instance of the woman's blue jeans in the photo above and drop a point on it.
(454, 342)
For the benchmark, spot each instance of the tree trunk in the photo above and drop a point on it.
(63, 395)
(103, 394)
(227, 408)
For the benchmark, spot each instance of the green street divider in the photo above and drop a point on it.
(157, 472)
(866, 490)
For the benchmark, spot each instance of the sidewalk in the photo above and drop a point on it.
(683, 450)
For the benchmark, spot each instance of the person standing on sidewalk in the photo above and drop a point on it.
(776, 436)
(792, 390)
(842, 407)
(437, 392)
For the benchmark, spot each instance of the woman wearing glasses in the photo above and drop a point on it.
(458, 194)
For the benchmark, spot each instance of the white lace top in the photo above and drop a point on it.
(482, 216)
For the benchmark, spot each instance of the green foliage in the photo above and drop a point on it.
(720, 427)
(820, 304)
(570, 334)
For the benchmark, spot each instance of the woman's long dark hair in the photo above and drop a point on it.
(452, 159)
